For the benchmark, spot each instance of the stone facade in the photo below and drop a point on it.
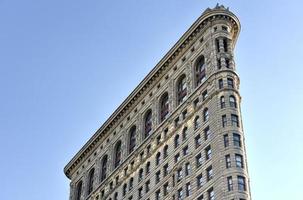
(179, 134)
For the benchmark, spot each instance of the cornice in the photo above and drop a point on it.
(153, 75)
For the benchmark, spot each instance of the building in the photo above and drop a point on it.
(179, 134)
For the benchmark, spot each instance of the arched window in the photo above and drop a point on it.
(222, 102)
(103, 168)
(164, 106)
(197, 122)
(118, 154)
(184, 133)
(181, 89)
(147, 123)
(232, 101)
(177, 141)
(200, 70)
(79, 190)
(91, 181)
(132, 139)
(165, 151)
(205, 114)
(158, 156)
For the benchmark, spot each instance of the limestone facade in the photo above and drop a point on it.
(179, 134)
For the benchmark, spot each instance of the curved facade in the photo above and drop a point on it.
(179, 134)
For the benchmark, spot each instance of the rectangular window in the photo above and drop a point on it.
(225, 44)
(207, 151)
(179, 174)
(165, 170)
(180, 194)
(185, 151)
(234, 120)
(209, 173)
(219, 63)
(204, 95)
(239, 161)
(228, 161)
(147, 186)
(230, 183)
(187, 169)
(227, 63)
(188, 189)
(198, 141)
(220, 83)
(199, 180)
(224, 121)
(206, 133)
(165, 189)
(230, 82)
(218, 45)
(241, 183)
(157, 176)
(211, 194)
(226, 140)
(140, 193)
(177, 157)
(157, 195)
(198, 160)
(237, 140)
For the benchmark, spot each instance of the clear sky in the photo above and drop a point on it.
(65, 65)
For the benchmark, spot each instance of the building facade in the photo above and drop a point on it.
(179, 134)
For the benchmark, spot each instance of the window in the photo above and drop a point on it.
(124, 189)
(205, 115)
(148, 123)
(164, 107)
(187, 169)
(218, 45)
(188, 189)
(239, 161)
(140, 176)
(234, 120)
(158, 176)
(177, 157)
(148, 149)
(225, 45)
(147, 186)
(204, 95)
(132, 139)
(230, 183)
(147, 168)
(209, 173)
(220, 83)
(228, 161)
(208, 152)
(177, 141)
(180, 194)
(91, 181)
(179, 174)
(222, 102)
(200, 70)
(118, 154)
(103, 168)
(177, 121)
(116, 196)
(200, 197)
(181, 89)
(184, 114)
(198, 140)
(157, 194)
(206, 133)
(129, 198)
(232, 101)
(131, 183)
(219, 63)
(165, 170)
(199, 180)
(198, 160)
(79, 190)
(226, 140)
(197, 122)
(184, 133)
(241, 183)
(224, 28)
(185, 151)
(211, 194)
(158, 158)
(140, 192)
(224, 121)
(111, 185)
(230, 82)
(165, 151)
(165, 189)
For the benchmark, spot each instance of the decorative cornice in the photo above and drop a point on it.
(153, 75)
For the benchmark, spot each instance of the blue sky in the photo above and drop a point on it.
(66, 65)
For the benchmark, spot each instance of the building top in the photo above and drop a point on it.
(165, 63)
